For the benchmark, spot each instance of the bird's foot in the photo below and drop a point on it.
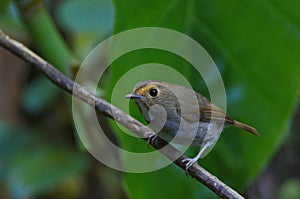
(150, 139)
(189, 162)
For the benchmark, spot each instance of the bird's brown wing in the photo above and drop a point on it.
(212, 113)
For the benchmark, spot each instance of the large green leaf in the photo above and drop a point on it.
(256, 46)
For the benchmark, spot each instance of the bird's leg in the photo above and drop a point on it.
(190, 161)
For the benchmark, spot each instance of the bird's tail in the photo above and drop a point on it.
(245, 127)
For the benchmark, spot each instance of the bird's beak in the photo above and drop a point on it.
(134, 96)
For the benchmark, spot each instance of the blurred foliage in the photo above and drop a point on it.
(30, 164)
(8, 17)
(36, 100)
(39, 23)
(89, 28)
(4, 5)
(255, 44)
(38, 157)
(290, 189)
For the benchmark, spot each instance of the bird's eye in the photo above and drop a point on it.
(153, 92)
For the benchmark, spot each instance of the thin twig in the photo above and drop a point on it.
(121, 117)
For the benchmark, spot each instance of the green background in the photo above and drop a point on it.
(255, 45)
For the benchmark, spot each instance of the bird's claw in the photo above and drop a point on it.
(189, 162)
(150, 139)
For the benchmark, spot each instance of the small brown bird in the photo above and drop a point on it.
(182, 115)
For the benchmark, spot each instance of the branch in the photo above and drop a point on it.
(197, 172)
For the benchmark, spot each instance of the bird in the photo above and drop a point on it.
(183, 116)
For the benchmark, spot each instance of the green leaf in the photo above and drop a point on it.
(256, 46)
(172, 182)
